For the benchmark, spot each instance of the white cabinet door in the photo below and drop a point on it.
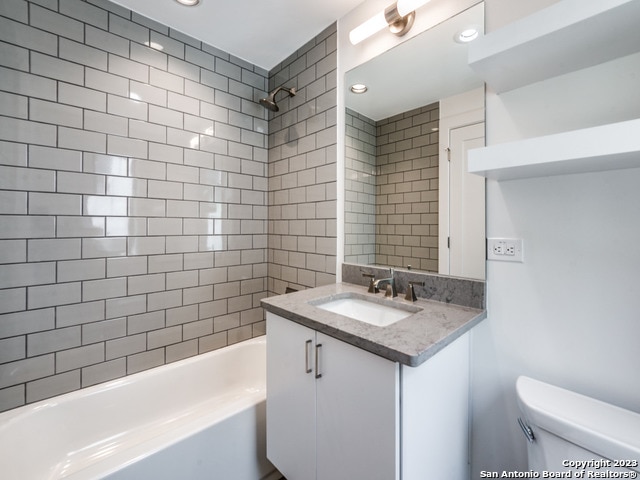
(357, 413)
(291, 398)
(332, 409)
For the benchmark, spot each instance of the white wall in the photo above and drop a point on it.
(568, 315)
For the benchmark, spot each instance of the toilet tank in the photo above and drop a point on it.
(569, 428)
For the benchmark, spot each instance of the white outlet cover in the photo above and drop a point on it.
(511, 248)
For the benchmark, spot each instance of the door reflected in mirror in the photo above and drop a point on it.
(409, 201)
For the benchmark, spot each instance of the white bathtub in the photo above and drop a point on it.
(203, 417)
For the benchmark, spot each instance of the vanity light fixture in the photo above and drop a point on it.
(398, 18)
(358, 88)
(407, 6)
(188, 3)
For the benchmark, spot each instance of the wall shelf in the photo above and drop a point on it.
(608, 147)
(567, 36)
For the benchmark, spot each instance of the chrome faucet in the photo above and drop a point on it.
(388, 284)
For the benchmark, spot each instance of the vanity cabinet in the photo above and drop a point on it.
(338, 412)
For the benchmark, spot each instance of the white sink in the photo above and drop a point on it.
(368, 311)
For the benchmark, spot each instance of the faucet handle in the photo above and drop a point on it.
(372, 287)
(411, 294)
(389, 291)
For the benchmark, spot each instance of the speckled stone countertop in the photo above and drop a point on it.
(410, 341)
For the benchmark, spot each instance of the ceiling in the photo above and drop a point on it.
(261, 32)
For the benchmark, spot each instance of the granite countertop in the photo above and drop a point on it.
(410, 341)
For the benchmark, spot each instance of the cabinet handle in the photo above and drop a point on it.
(318, 347)
(307, 354)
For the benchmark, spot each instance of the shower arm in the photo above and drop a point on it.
(291, 91)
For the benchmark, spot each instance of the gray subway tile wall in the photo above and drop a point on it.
(360, 189)
(302, 168)
(407, 189)
(391, 204)
(133, 193)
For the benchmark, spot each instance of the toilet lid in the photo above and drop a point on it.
(597, 426)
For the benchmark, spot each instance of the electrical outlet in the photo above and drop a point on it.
(505, 249)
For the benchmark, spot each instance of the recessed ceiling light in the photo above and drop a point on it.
(467, 35)
(189, 3)
(358, 88)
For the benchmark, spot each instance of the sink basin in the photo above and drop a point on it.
(374, 311)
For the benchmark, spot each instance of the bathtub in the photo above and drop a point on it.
(199, 418)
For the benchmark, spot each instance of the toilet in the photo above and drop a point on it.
(569, 432)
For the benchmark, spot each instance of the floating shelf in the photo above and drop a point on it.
(608, 147)
(567, 36)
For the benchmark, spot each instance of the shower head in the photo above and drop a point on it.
(270, 101)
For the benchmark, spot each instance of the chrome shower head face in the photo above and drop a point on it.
(269, 103)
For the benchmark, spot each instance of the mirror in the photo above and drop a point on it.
(408, 200)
